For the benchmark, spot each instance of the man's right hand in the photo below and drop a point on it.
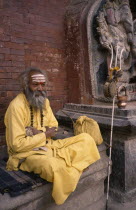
(50, 132)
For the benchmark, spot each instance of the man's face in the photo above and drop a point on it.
(35, 92)
(37, 82)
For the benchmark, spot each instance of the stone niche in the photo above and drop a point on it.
(88, 58)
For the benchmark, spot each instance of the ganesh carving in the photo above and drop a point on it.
(117, 34)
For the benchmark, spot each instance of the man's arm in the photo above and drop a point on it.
(16, 138)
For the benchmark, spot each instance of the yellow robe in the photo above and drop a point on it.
(64, 160)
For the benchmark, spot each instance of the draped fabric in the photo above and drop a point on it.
(64, 160)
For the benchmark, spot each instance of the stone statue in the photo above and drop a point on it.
(115, 27)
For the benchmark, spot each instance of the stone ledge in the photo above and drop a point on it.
(124, 120)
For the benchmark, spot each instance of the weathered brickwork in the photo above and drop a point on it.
(77, 52)
(32, 34)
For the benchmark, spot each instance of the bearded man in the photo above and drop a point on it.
(30, 126)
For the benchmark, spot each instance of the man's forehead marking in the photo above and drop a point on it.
(38, 77)
(38, 80)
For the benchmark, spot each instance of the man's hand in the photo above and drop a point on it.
(35, 131)
(50, 132)
(30, 131)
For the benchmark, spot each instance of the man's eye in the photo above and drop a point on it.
(43, 85)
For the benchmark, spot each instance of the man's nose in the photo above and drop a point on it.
(39, 88)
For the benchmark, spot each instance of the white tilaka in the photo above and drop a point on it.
(37, 77)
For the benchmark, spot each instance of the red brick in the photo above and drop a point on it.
(13, 69)
(16, 21)
(17, 40)
(3, 81)
(5, 63)
(2, 56)
(1, 44)
(4, 37)
(4, 50)
(2, 87)
(5, 75)
(19, 34)
(14, 57)
(30, 57)
(13, 45)
(17, 52)
(16, 15)
(2, 69)
(3, 94)
(12, 87)
(1, 31)
(18, 64)
(15, 76)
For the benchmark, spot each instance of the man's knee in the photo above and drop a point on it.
(87, 138)
(50, 167)
(51, 164)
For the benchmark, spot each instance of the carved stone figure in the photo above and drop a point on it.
(116, 35)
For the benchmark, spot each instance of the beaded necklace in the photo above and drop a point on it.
(32, 116)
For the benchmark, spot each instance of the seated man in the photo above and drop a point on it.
(30, 126)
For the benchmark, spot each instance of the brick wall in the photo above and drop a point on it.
(32, 34)
(77, 57)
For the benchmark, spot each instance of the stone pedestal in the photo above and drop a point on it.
(123, 177)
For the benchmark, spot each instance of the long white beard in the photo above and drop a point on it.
(36, 98)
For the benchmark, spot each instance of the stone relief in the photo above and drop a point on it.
(116, 34)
